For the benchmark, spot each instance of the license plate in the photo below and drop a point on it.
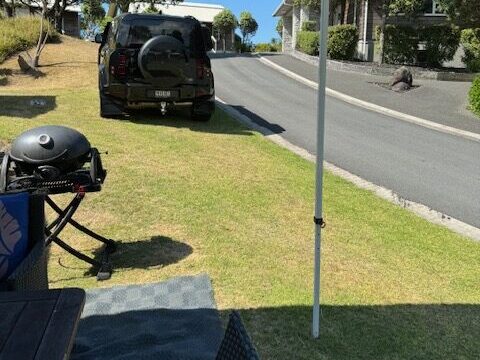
(162, 94)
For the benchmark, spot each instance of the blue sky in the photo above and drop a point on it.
(261, 10)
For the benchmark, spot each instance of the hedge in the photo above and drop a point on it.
(309, 26)
(308, 42)
(18, 34)
(470, 39)
(268, 47)
(401, 44)
(441, 44)
(342, 42)
(474, 96)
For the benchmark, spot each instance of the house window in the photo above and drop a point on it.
(432, 7)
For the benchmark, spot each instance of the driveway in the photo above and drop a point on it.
(443, 102)
(438, 170)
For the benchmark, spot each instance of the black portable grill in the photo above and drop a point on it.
(57, 160)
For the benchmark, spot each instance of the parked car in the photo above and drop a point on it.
(158, 61)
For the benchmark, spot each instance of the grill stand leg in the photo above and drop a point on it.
(65, 217)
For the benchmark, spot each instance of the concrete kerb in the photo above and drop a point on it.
(373, 107)
(423, 211)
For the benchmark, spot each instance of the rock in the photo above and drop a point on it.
(401, 87)
(27, 68)
(24, 65)
(402, 75)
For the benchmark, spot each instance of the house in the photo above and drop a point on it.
(70, 21)
(204, 13)
(365, 14)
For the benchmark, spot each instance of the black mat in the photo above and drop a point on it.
(175, 319)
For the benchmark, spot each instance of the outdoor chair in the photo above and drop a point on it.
(23, 258)
(236, 344)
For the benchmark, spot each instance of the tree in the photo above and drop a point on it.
(124, 5)
(316, 4)
(248, 26)
(224, 22)
(92, 15)
(42, 40)
(463, 13)
(54, 11)
(103, 23)
(151, 9)
(279, 27)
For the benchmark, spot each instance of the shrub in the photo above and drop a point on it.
(400, 44)
(474, 96)
(309, 26)
(441, 44)
(470, 39)
(308, 41)
(268, 47)
(342, 42)
(18, 34)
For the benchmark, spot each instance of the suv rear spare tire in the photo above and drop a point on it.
(163, 58)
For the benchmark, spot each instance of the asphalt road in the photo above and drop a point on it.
(438, 170)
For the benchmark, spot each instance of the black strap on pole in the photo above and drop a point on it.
(319, 221)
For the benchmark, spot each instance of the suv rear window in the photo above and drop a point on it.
(136, 32)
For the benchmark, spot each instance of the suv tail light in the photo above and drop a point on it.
(119, 66)
(203, 71)
(122, 65)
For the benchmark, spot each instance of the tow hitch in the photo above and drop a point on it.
(163, 107)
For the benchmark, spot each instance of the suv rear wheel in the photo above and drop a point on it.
(202, 110)
(107, 108)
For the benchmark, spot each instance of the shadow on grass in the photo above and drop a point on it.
(66, 63)
(180, 118)
(156, 251)
(4, 73)
(25, 106)
(347, 332)
(368, 332)
(219, 124)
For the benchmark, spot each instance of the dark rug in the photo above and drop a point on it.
(175, 319)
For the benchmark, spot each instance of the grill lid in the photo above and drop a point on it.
(49, 144)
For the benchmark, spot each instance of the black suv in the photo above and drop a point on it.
(155, 61)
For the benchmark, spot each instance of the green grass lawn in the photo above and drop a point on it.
(185, 198)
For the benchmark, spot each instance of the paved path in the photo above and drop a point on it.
(435, 169)
(444, 102)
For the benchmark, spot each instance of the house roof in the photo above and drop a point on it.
(284, 8)
(202, 12)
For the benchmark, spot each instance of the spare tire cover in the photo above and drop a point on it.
(163, 59)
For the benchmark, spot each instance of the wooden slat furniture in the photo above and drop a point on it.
(39, 324)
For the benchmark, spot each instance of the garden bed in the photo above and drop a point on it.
(372, 68)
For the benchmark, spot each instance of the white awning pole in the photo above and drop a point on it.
(322, 76)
